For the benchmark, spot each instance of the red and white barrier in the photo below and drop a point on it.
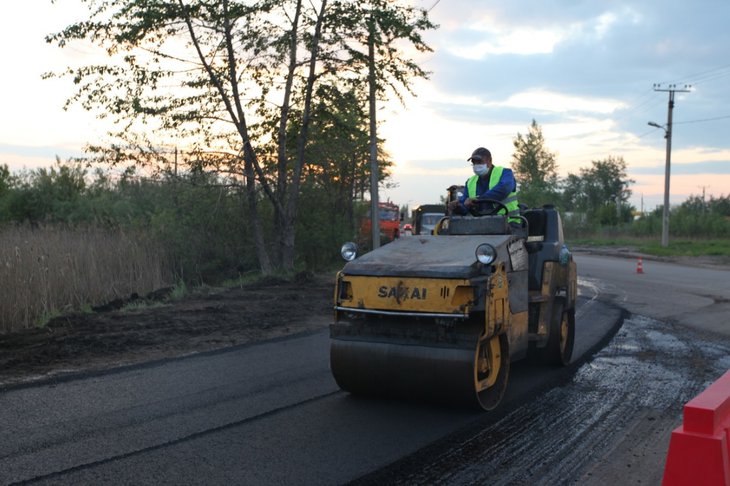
(699, 450)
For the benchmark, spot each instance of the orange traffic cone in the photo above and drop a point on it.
(639, 266)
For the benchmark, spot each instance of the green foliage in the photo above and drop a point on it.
(47, 317)
(6, 179)
(45, 194)
(720, 205)
(338, 153)
(200, 217)
(685, 247)
(322, 229)
(179, 290)
(715, 205)
(652, 246)
(535, 168)
(200, 72)
(395, 28)
(693, 218)
(597, 191)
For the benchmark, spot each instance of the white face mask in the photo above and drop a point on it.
(480, 169)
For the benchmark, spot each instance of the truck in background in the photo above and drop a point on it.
(426, 216)
(389, 214)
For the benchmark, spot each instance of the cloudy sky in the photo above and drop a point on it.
(584, 70)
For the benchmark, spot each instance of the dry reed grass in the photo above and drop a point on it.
(50, 269)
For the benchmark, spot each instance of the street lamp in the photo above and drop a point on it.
(665, 212)
(655, 124)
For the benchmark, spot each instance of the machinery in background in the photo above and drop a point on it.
(426, 216)
(389, 215)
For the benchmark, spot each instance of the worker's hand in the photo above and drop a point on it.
(468, 203)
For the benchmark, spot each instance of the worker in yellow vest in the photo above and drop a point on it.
(489, 182)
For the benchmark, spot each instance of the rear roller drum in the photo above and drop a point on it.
(559, 348)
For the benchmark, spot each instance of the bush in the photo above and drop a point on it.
(683, 222)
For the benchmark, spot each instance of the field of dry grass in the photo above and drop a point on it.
(50, 269)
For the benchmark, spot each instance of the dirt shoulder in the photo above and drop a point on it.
(205, 320)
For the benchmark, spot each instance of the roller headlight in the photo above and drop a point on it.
(349, 251)
(486, 253)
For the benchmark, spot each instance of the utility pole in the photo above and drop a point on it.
(671, 89)
(374, 206)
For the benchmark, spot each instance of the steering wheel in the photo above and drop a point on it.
(480, 207)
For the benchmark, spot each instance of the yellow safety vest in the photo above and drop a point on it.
(510, 201)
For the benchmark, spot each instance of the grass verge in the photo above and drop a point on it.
(677, 246)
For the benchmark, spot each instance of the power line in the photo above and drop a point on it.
(727, 66)
(646, 133)
(639, 106)
(699, 78)
(702, 120)
(713, 77)
(711, 74)
(708, 75)
(434, 5)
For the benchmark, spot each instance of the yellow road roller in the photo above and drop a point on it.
(441, 317)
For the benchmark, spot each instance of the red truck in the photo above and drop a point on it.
(389, 222)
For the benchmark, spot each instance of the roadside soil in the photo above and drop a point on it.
(141, 330)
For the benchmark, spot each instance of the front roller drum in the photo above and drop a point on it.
(491, 370)
(464, 376)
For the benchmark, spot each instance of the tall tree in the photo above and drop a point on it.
(379, 32)
(339, 150)
(719, 205)
(535, 168)
(602, 190)
(221, 79)
(5, 179)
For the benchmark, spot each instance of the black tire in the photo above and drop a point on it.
(559, 348)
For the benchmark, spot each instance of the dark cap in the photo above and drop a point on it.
(480, 155)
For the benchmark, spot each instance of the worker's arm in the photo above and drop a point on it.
(504, 187)
(457, 206)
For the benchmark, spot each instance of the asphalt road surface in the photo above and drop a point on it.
(271, 413)
(695, 297)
